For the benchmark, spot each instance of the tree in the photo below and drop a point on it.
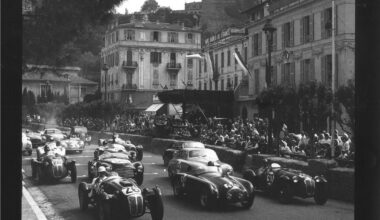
(149, 6)
(345, 107)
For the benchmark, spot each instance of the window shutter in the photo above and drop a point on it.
(312, 70)
(323, 29)
(260, 43)
(323, 69)
(159, 57)
(293, 74)
(282, 73)
(117, 35)
(302, 70)
(302, 34)
(274, 41)
(253, 46)
(311, 27)
(151, 57)
(292, 33)
(283, 36)
(159, 36)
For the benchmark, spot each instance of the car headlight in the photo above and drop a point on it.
(227, 185)
(295, 179)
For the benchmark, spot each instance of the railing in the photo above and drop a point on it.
(173, 66)
(130, 64)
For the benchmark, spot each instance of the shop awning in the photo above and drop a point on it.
(154, 108)
(175, 109)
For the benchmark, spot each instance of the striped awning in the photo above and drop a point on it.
(154, 108)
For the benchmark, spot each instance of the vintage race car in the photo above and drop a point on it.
(73, 144)
(35, 138)
(169, 152)
(26, 145)
(119, 162)
(287, 183)
(52, 134)
(53, 166)
(128, 200)
(213, 187)
(81, 133)
(127, 144)
(188, 159)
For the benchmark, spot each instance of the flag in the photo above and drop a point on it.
(198, 56)
(267, 73)
(240, 61)
(214, 71)
(210, 63)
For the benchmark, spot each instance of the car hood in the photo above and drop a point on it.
(291, 173)
(199, 160)
(119, 161)
(34, 136)
(72, 142)
(220, 181)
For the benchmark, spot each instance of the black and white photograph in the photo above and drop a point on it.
(188, 109)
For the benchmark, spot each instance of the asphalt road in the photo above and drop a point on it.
(60, 201)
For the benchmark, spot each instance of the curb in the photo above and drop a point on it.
(36, 209)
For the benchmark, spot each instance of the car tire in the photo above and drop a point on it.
(73, 173)
(285, 193)
(320, 195)
(249, 202)
(139, 178)
(156, 205)
(102, 212)
(177, 191)
(166, 161)
(205, 199)
(90, 175)
(140, 154)
(83, 196)
(34, 170)
(39, 175)
(250, 176)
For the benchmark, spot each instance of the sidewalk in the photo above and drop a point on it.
(29, 207)
(27, 211)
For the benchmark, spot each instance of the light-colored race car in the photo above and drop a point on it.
(169, 152)
(73, 144)
(127, 145)
(188, 159)
(52, 134)
(26, 145)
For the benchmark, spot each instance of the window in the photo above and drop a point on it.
(142, 35)
(307, 70)
(117, 35)
(274, 75)
(256, 44)
(245, 54)
(45, 90)
(210, 84)
(205, 85)
(228, 58)
(229, 84)
(326, 22)
(111, 79)
(257, 81)
(117, 57)
(129, 35)
(128, 60)
(189, 38)
(327, 70)
(173, 37)
(155, 57)
(288, 34)
(216, 62)
(155, 77)
(173, 79)
(257, 15)
(199, 85)
(200, 67)
(190, 63)
(236, 81)
(216, 85)
(307, 29)
(205, 66)
(156, 36)
(190, 76)
(222, 84)
(222, 59)
(274, 41)
(287, 74)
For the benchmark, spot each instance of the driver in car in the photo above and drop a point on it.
(102, 175)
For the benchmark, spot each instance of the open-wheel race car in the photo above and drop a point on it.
(213, 187)
(122, 163)
(51, 164)
(115, 142)
(287, 183)
(169, 152)
(128, 200)
(188, 159)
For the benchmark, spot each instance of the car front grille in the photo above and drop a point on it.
(310, 186)
(136, 205)
(127, 172)
(234, 195)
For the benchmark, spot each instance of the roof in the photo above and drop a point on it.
(80, 80)
(46, 76)
(157, 26)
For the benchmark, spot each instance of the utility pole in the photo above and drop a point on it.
(333, 78)
(105, 69)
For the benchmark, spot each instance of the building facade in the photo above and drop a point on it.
(145, 57)
(302, 43)
(193, 7)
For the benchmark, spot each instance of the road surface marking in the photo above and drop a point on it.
(150, 163)
(40, 215)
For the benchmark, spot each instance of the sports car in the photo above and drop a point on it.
(52, 134)
(81, 133)
(213, 187)
(119, 162)
(26, 145)
(35, 138)
(287, 183)
(73, 144)
(127, 144)
(188, 159)
(53, 166)
(169, 152)
(128, 200)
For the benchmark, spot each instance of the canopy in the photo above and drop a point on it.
(177, 96)
(154, 108)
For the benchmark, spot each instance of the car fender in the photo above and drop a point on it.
(247, 184)
(183, 177)
(320, 179)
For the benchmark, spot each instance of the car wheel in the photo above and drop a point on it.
(249, 175)
(39, 175)
(103, 215)
(139, 178)
(156, 205)
(140, 154)
(285, 193)
(170, 174)
(90, 175)
(320, 196)
(205, 198)
(249, 202)
(83, 196)
(34, 170)
(177, 189)
(73, 173)
(166, 161)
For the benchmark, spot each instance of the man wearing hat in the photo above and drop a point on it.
(346, 145)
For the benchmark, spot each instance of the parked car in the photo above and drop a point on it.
(52, 134)
(81, 133)
(26, 145)
(127, 144)
(119, 162)
(188, 159)
(52, 166)
(213, 187)
(129, 200)
(287, 183)
(169, 152)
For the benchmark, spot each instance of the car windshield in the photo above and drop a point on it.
(107, 155)
(193, 145)
(204, 153)
(53, 131)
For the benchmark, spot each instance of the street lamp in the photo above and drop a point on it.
(105, 69)
(268, 30)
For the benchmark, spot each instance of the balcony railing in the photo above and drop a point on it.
(173, 66)
(132, 65)
(129, 87)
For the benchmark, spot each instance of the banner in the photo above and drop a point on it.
(240, 61)
(198, 56)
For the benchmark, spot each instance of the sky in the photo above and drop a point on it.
(135, 5)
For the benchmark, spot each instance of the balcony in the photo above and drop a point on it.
(172, 66)
(129, 87)
(130, 65)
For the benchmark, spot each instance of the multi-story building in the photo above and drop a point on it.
(193, 7)
(145, 57)
(302, 43)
